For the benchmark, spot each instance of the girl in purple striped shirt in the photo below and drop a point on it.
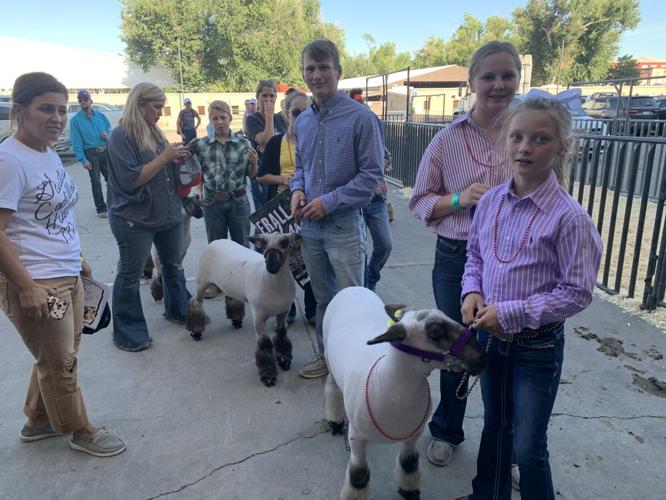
(459, 166)
(532, 259)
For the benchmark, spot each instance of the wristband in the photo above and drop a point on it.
(455, 200)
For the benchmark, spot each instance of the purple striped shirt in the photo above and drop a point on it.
(339, 154)
(553, 275)
(447, 167)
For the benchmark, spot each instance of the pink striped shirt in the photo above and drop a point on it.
(447, 167)
(553, 275)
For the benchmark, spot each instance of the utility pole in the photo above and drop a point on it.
(180, 70)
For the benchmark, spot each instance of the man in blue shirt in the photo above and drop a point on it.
(89, 130)
(339, 159)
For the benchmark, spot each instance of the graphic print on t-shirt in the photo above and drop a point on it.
(54, 201)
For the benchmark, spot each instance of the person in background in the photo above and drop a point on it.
(277, 171)
(532, 261)
(376, 217)
(458, 167)
(250, 109)
(185, 123)
(40, 262)
(89, 131)
(263, 125)
(225, 160)
(144, 208)
(357, 95)
(339, 165)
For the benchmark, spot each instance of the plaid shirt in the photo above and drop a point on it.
(225, 165)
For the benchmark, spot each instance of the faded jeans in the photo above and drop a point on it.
(53, 391)
(519, 386)
(228, 217)
(333, 250)
(130, 330)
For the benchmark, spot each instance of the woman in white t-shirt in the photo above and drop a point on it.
(40, 263)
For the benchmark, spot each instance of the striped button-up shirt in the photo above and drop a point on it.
(552, 276)
(225, 165)
(457, 157)
(339, 154)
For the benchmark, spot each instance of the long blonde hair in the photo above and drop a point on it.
(557, 112)
(147, 135)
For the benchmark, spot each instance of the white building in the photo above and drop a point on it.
(75, 67)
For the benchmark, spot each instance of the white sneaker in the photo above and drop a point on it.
(316, 369)
(515, 477)
(439, 452)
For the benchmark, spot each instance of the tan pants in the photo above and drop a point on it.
(53, 391)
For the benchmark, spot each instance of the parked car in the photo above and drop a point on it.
(638, 107)
(5, 110)
(661, 107)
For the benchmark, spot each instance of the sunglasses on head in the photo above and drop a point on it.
(295, 112)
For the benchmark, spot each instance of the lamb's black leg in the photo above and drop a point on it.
(265, 361)
(282, 344)
(235, 311)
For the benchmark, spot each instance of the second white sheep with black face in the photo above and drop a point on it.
(263, 281)
(379, 382)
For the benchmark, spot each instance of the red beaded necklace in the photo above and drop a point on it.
(372, 416)
(522, 241)
(471, 155)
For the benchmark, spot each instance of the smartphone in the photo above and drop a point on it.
(57, 307)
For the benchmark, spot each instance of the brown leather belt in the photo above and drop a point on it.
(227, 195)
(528, 333)
(98, 149)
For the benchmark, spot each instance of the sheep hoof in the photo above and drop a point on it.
(284, 363)
(336, 427)
(237, 323)
(156, 289)
(196, 336)
(268, 380)
(410, 494)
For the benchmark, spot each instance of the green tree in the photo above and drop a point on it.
(572, 39)
(224, 44)
(625, 67)
(433, 53)
(380, 59)
(472, 34)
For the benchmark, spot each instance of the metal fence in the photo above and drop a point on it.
(619, 180)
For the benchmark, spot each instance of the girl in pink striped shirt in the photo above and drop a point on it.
(532, 259)
(460, 164)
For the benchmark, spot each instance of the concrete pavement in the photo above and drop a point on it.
(199, 425)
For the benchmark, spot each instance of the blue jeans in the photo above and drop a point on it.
(519, 386)
(376, 218)
(98, 169)
(129, 324)
(259, 193)
(450, 257)
(333, 250)
(222, 217)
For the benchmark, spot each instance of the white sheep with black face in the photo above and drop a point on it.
(263, 281)
(379, 380)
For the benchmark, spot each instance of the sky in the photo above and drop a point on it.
(408, 24)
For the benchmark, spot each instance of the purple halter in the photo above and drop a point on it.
(457, 346)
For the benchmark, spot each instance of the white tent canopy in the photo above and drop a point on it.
(74, 67)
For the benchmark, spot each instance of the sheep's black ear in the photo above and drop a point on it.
(395, 311)
(295, 236)
(394, 333)
(258, 240)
